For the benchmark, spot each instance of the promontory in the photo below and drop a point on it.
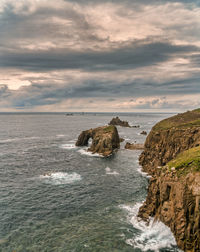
(172, 157)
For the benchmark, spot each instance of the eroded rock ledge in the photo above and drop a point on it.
(134, 146)
(172, 157)
(105, 140)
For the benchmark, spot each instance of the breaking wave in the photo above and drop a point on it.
(88, 153)
(152, 237)
(60, 178)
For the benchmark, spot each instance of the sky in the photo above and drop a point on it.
(99, 55)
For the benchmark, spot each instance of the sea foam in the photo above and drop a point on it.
(84, 151)
(110, 172)
(9, 140)
(152, 237)
(60, 178)
(68, 146)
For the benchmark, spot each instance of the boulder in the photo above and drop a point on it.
(131, 146)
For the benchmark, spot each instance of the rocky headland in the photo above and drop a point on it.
(105, 140)
(172, 157)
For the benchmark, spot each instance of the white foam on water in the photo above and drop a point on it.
(68, 146)
(110, 172)
(72, 141)
(16, 139)
(144, 174)
(60, 135)
(60, 178)
(88, 153)
(154, 236)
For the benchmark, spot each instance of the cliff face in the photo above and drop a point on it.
(174, 189)
(170, 137)
(104, 140)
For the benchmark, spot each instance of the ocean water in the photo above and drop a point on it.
(55, 197)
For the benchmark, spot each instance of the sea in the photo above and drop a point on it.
(56, 197)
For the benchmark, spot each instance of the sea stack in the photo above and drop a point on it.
(105, 140)
(117, 121)
(172, 157)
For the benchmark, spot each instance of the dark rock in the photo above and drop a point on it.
(121, 139)
(132, 146)
(105, 140)
(143, 133)
(117, 121)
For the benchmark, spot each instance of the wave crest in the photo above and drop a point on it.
(60, 178)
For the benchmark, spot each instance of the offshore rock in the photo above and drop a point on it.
(132, 146)
(143, 133)
(121, 139)
(172, 157)
(105, 140)
(117, 121)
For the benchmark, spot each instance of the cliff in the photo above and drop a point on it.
(170, 137)
(172, 157)
(105, 140)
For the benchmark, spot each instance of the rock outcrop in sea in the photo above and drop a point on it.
(134, 146)
(105, 140)
(172, 157)
(117, 121)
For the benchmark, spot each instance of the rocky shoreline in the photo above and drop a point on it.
(172, 157)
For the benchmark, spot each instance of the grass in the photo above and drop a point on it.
(184, 120)
(108, 129)
(187, 161)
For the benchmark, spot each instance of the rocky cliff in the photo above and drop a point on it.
(170, 137)
(105, 140)
(172, 157)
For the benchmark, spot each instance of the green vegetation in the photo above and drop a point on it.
(108, 129)
(187, 161)
(184, 120)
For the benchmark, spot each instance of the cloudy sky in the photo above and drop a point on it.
(99, 55)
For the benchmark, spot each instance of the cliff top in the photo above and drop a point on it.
(187, 161)
(184, 120)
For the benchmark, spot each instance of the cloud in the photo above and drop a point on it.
(131, 56)
(54, 53)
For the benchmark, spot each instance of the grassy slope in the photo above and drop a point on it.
(184, 120)
(187, 161)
